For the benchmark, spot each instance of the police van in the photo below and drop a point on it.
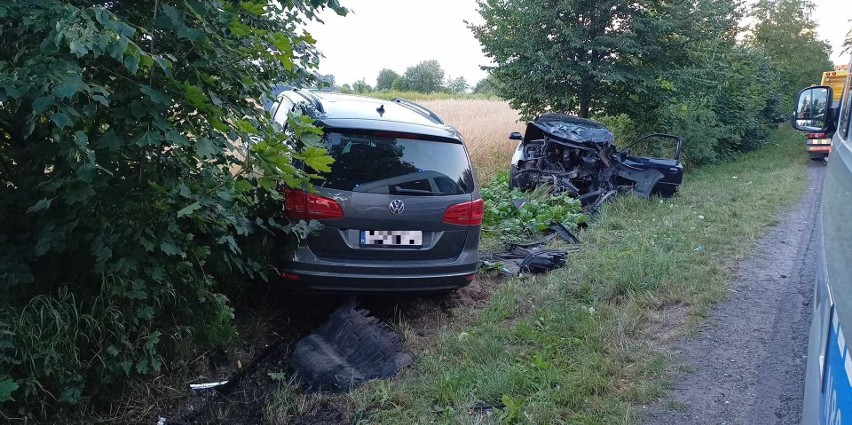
(828, 382)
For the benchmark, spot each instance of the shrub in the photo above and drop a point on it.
(131, 198)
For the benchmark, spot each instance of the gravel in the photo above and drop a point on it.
(746, 365)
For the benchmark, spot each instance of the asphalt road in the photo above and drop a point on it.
(747, 363)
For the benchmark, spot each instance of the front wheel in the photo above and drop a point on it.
(513, 172)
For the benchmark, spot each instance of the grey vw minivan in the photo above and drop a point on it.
(400, 209)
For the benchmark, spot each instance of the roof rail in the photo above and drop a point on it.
(311, 98)
(420, 109)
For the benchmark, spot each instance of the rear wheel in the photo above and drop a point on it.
(513, 171)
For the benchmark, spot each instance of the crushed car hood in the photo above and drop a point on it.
(568, 128)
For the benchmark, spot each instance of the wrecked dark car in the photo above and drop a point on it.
(578, 157)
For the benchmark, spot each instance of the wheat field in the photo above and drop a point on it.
(485, 126)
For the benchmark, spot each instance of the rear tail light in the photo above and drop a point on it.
(465, 214)
(307, 206)
(816, 135)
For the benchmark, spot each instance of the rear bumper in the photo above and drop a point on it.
(309, 272)
(375, 285)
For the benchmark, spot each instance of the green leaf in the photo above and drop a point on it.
(253, 8)
(170, 248)
(7, 387)
(131, 62)
(189, 209)
(156, 95)
(42, 103)
(61, 120)
(44, 203)
(206, 148)
(196, 97)
(245, 127)
(101, 99)
(318, 159)
(68, 88)
(239, 29)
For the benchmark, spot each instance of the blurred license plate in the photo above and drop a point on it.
(391, 238)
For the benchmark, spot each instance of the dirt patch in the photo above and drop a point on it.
(746, 364)
(666, 322)
(322, 414)
(476, 293)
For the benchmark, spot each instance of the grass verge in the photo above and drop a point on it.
(587, 343)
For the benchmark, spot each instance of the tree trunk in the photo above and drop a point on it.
(586, 88)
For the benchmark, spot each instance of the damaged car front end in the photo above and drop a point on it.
(578, 157)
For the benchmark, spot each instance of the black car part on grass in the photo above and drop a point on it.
(526, 259)
(578, 157)
(347, 350)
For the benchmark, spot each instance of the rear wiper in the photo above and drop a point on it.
(401, 190)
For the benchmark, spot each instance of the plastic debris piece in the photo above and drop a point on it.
(347, 350)
(206, 385)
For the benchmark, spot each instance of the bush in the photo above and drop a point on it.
(132, 202)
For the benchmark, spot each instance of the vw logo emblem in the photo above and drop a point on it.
(396, 207)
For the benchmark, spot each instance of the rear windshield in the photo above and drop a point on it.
(375, 164)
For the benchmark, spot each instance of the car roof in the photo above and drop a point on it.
(345, 111)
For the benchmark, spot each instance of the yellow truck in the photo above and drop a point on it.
(819, 144)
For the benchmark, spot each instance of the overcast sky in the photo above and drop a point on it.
(397, 34)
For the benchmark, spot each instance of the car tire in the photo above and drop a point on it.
(513, 171)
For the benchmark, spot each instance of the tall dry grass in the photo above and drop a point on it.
(485, 126)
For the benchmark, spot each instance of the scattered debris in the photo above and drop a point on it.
(487, 409)
(521, 260)
(206, 386)
(560, 230)
(347, 350)
(543, 261)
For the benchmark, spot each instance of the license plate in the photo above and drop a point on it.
(391, 238)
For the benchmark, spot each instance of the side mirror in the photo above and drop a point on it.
(812, 109)
(515, 136)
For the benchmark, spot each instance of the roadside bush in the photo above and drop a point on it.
(700, 129)
(622, 127)
(132, 202)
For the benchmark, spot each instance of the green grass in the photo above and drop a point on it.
(587, 343)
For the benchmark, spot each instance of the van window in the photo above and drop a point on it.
(400, 166)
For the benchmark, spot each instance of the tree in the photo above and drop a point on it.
(131, 196)
(361, 86)
(847, 42)
(561, 55)
(787, 34)
(385, 79)
(326, 81)
(457, 85)
(425, 77)
(485, 86)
